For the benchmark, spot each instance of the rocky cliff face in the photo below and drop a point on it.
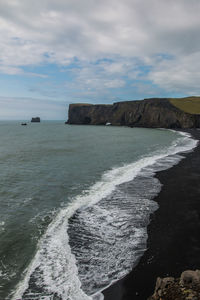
(152, 113)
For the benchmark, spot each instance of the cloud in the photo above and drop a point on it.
(90, 29)
(108, 45)
(181, 74)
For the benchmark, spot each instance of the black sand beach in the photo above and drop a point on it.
(173, 234)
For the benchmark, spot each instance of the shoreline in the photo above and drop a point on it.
(173, 243)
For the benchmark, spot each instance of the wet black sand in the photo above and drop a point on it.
(173, 233)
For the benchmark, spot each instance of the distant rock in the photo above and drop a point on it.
(187, 287)
(153, 113)
(35, 120)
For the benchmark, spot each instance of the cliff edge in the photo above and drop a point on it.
(153, 113)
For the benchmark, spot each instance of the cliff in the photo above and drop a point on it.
(154, 113)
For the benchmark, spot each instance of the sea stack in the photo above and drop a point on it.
(35, 120)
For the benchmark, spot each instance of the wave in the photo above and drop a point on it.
(104, 221)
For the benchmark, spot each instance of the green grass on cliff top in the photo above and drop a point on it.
(190, 104)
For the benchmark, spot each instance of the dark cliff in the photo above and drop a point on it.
(155, 112)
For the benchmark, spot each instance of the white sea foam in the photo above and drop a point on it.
(53, 268)
(2, 226)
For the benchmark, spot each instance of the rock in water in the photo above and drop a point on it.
(35, 120)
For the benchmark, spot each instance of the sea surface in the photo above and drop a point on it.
(75, 203)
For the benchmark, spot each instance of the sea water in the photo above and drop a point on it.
(75, 203)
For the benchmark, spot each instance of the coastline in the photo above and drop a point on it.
(173, 243)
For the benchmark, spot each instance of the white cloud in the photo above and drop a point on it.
(87, 29)
(181, 74)
(131, 33)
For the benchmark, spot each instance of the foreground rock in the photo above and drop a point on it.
(153, 113)
(187, 287)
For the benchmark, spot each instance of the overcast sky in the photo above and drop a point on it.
(56, 52)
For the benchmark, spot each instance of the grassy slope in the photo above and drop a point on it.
(190, 104)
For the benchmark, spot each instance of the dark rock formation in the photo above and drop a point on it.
(35, 120)
(187, 287)
(152, 113)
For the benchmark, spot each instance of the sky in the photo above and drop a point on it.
(57, 52)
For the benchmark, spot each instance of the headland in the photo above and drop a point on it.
(150, 113)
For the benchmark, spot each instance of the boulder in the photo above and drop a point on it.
(187, 287)
(190, 277)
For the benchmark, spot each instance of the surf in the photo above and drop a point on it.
(56, 271)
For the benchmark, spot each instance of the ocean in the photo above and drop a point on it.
(75, 202)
